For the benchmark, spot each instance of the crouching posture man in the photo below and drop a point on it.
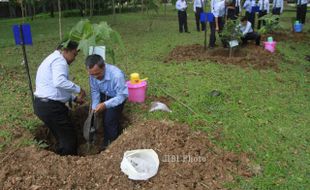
(247, 32)
(108, 93)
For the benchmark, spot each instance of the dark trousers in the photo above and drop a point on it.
(231, 14)
(261, 14)
(237, 11)
(182, 16)
(213, 30)
(276, 11)
(251, 18)
(111, 122)
(251, 36)
(199, 10)
(301, 13)
(55, 116)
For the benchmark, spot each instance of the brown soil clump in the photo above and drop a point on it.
(188, 160)
(246, 56)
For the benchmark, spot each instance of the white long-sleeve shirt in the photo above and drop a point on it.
(278, 4)
(218, 8)
(198, 3)
(301, 2)
(263, 5)
(248, 4)
(52, 80)
(246, 28)
(181, 5)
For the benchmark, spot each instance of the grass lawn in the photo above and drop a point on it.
(261, 112)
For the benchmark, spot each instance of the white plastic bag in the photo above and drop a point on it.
(159, 106)
(140, 164)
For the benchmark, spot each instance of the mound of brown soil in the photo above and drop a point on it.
(187, 161)
(246, 56)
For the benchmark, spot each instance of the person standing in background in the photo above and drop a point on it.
(277, 7)
(198, 9)
(218, 10)
(301, 11)
(263, 10)
(181, 6)
(248, 5)
(238, 7)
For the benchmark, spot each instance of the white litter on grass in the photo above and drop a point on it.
(159, 106)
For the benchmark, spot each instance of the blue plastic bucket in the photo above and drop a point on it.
(298, 27)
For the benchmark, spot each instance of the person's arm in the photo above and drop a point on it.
(217, 23)
(178, 6)
(281, 7)
(121, 93)
(95, 93)
(247, 28)
(194, 6)
(60, 77)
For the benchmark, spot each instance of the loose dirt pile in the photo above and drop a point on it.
(246, 56)
(187, 161)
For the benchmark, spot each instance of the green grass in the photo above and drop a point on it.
(263, 113)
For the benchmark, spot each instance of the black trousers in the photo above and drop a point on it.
(111, 122)
(237, 11)
(251, 36)
(261, 14)
(182, 16)
(199, 10)
(231, 14)
(213, 30)
(301, 13)
(276, 11)
(251, 18)
(55, 116)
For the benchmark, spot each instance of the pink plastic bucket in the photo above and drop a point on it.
(270, 46)
(136, 92)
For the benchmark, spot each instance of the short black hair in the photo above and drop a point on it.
(245, 18)
(93, 60)
(71, 45)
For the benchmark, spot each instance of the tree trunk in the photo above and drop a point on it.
(99, 7)
(52, 8)
(142, 6)
(59, 20)
(23, 11)
(66, 4)
(12, 11)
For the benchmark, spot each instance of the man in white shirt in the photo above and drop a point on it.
(249, 13)
(198, 9)
(263, 10)
(53, 90)
(277, 7)
(301, 11)
(218, 10)
(181, 6)
(247, 32)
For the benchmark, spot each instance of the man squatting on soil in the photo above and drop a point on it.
(53, 90)
(108, 93)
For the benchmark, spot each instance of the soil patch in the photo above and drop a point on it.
(78, 117)
(188, 160)
(245, 56)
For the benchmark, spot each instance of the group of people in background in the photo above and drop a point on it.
(231, 9)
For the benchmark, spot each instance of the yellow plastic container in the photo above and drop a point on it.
(135, 78)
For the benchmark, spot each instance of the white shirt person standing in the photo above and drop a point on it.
(181, 6)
